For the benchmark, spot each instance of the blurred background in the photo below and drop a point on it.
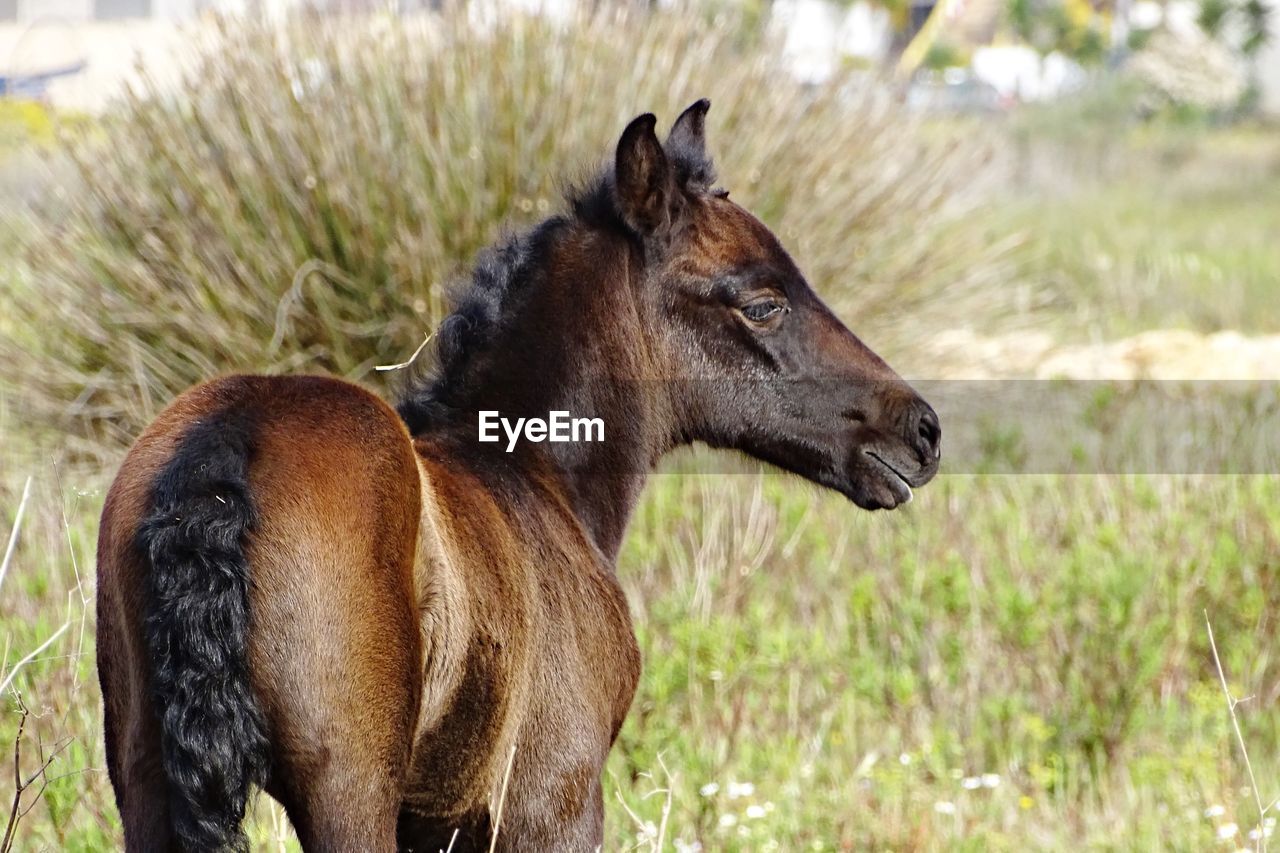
(1010, 193)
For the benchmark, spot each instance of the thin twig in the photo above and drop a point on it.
(75, 567)
(11, 826)
(402, 365)
(502, 799)
(1235, 722)
(635, 818)
(66, 527)
(13, 534)
(12, 673)
(278, 831)
(656, 839)
(20, 785)
(666, 805)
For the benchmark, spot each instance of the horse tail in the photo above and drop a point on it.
(214, 742)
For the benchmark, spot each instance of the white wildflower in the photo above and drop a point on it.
(944, 807)
(755, 812)
(728, 820)
(1227, 830)
(710, 789)
(1215, 811)
(971, 783)
(990, 780)
(740, 789)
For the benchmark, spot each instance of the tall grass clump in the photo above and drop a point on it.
(303, 199)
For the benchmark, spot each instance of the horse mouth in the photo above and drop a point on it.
(895, 480)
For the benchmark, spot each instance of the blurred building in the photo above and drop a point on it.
(21, 11)
(1268, 68)
(89, 10)
(818, 37)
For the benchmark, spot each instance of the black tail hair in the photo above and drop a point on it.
(213, 733)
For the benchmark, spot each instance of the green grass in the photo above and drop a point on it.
(854, 668)
(1158, 228)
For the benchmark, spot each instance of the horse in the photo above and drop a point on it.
(414, 639)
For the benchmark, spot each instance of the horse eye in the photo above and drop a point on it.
(758, 312)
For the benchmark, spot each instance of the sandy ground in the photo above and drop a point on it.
(1159, 354)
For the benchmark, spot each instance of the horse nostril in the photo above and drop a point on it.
(929, 432)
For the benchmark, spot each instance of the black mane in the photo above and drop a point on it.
(501, 274)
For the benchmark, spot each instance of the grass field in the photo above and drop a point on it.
(1009, 663)
(1177, 232)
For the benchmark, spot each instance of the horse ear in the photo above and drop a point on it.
(645, 185)
(688, 138)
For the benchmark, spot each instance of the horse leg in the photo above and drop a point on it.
(342, 808)
(132, 739)
(336, 650)
(342, 727)
(141, 788)
(337, 668)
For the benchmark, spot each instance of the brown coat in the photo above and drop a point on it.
(409, 637)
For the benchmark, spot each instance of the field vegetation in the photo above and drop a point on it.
(1010, 662)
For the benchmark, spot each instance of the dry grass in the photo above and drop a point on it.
(303, 201)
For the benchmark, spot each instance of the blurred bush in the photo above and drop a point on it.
(304, 198)
(1189, 72)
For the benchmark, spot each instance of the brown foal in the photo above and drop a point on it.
(386, 623)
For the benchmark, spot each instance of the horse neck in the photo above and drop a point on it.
(577, 347)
